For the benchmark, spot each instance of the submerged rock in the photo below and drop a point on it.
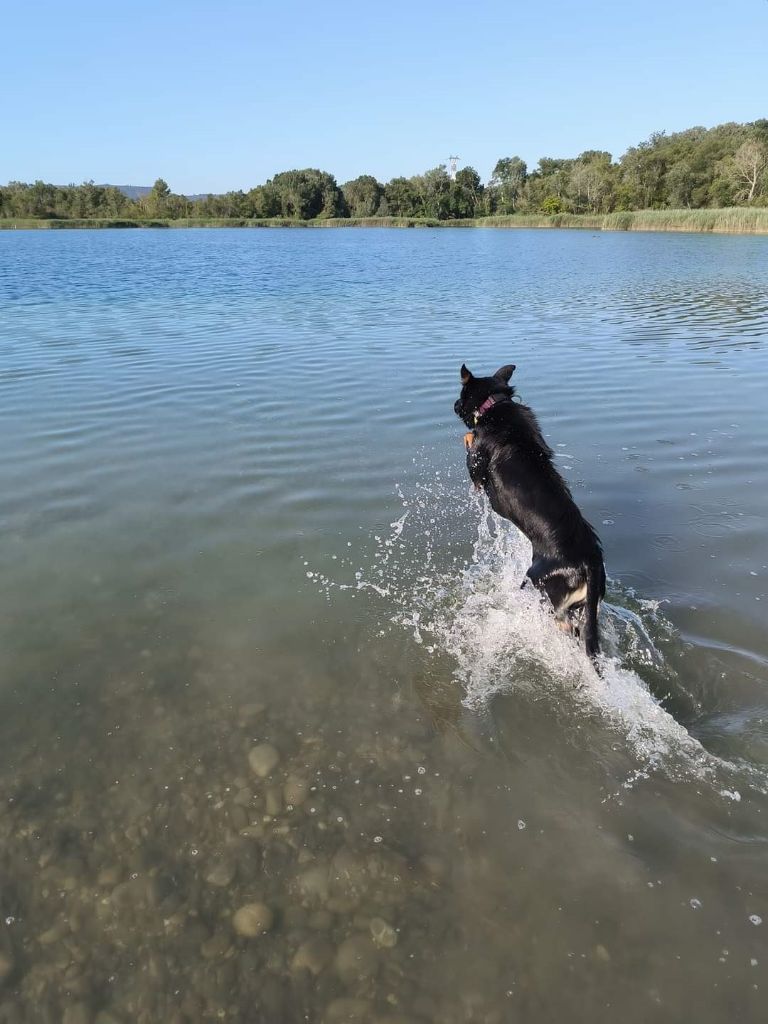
(356, 959)
(349, 876)
(382, 933)
(263, 759)
(313, 955)
(250, 712)
(252, 920)
(295, 791)
(221, 873)
(110, 876)
(216, 947)
(313, 883)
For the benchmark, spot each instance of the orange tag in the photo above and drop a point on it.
(469, 437)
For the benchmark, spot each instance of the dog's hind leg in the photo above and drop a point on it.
(546, 574)
(566, 589)
(538, 570)
(595, 593)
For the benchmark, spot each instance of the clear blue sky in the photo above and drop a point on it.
(218, 96)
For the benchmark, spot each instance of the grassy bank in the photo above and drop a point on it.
(734, 220)
(731, 220)
(238, 222)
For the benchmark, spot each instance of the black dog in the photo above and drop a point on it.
(508, 456)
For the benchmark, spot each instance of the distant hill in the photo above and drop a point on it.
(132, 191)
(137, 191)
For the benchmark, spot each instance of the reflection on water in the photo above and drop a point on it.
(282, 740)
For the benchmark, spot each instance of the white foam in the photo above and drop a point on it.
(503, 638)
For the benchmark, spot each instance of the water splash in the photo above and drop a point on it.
(469, 605)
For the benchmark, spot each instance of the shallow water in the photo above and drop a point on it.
(235, 513)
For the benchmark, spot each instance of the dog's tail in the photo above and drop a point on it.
(595, 591)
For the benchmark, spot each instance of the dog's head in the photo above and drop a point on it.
(475, 392)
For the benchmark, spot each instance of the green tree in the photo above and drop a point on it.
(507, 182)
(466, 193)
(264, 201)
(334, 204)
(590, 184)
(552, 204)
(401, 198)
(680, 183)
(41, 200)
(642, 172)
(157, 203)
(363, 195)
(307, 194)
(433, 189)
(546, 188)
(721, 191)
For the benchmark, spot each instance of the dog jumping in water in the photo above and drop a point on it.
(508, 457)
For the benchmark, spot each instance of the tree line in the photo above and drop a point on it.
(695, 169)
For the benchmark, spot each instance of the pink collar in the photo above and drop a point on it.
(487, 404)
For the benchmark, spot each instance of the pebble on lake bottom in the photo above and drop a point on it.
(382, 933)
(252, 920)
(356, 959)
(263, 758)
(221, 873)
(313, 955)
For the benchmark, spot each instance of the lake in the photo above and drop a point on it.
(281, 739)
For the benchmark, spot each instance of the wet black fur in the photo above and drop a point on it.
(510, 459)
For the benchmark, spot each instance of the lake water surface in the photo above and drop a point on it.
(281, 740)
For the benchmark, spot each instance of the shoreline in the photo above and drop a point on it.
(728, 220)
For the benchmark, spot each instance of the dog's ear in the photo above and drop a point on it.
(466, 375)
(505, 372)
